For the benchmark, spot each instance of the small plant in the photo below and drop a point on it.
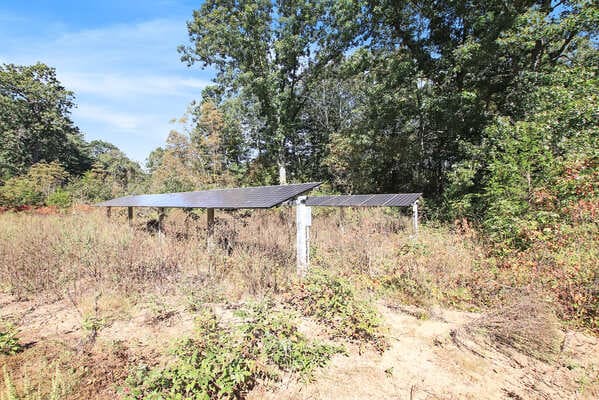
(10, 391)
(212, 365)
(332, 300)
(197, 298)
(60, 198)
(91, 324)
(9, 343)
(160, 310)
(273, 336)
(222, 362)
(58, 389)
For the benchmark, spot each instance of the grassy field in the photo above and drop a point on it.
(92, 307)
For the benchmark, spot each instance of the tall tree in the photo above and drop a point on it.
(35, 123)
(472, 61)
(272, 54)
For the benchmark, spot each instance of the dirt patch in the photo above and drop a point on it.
(423, 362)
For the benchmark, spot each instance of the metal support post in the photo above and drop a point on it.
(130, 215)
(210, 228)
(415, 217)
(303, 221)
(108, 212)
(160, 219)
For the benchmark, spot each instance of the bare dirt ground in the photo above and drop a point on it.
(423, 362)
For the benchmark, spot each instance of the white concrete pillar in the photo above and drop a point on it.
(160, 219)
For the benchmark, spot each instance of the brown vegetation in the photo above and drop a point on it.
(95, 298)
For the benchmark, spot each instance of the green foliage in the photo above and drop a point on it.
(95, 185)
(518, 167)
(40, 147)
(19, 191)
(426, 92)
(41, 181)
(112, 174)
(210, 366)
(269, 56)
(222, 362)
(35, 125)
(60, 198)
(280, 341)
(9, 343)
(92, 323)
(333, 301)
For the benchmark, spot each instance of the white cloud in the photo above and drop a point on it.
(113, 119)
(119, 85)
(127, 78)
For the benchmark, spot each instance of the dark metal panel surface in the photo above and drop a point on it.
(249, 197)
(365, 200)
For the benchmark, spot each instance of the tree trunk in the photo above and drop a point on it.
(282, 173)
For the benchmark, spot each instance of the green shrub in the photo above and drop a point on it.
(33, 188)
(60, 198)
(211, 365)
(332, 300)
(9, 343)
(19, 191)
(280, 342)
(222, 362)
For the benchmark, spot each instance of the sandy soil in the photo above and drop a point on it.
(423, 361)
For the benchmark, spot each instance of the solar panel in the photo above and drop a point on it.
(365, 200)
(248, 197)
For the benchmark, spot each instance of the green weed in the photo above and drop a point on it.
(9, 343)
(226, 362)
(333, 301)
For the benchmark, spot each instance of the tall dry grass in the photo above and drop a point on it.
(64, 255)
(86, 253)
(59, 255)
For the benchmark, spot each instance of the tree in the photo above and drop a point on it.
(34, 188)
(526, 157)
(271, 54)
(99, 147)
(35, 122)
(478, 60)
(176, 172)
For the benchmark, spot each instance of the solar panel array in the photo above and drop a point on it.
(365, 200)
(249, 197)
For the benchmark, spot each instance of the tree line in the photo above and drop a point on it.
(484, 106)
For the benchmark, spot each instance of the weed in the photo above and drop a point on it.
(59, 388)
(280, 342)
(197, 298)
(10, 391)
(9, 343)
(92, 324)
(222, 362)
(332, 300)
(160, 310)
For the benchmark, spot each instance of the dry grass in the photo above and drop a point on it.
(127, 281)
(69, 255)
(527, 323)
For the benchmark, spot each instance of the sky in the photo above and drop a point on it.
(118, 57)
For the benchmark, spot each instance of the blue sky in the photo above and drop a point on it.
(119, 57)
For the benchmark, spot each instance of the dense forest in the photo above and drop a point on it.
(489, 108)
